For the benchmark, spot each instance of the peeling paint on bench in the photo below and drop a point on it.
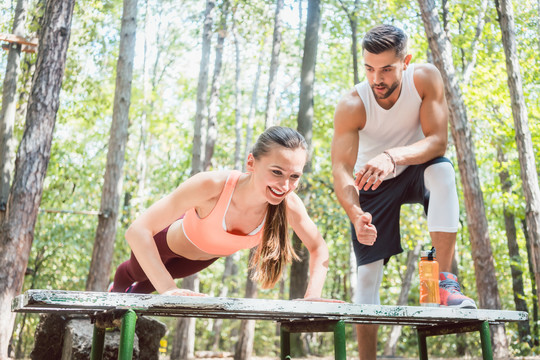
(258, 309)
(293, 315)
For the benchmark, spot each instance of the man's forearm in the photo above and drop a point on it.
(419, 152)
(347, 195)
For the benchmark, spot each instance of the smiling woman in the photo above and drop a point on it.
(218, 213)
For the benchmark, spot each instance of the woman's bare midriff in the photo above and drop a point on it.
(179, 244)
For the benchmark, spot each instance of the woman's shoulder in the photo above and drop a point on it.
(212, 182)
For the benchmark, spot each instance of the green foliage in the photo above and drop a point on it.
(161, 119)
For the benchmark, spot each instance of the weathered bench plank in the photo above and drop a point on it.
(293, 316)
(257, 309)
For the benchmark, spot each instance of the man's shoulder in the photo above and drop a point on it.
(425, 70)
(426, 78)
(350, 111)
(350, 102)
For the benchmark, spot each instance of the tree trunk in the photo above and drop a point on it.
(301, 24)
(28, 63)
(28, 68)
(244, 347)
(538, 22)
(307, 76)
(406, 282)
(142, 161)
(238, 160)
(17, 230)
(200, 112)
(467, 71)
(100, 267)
(529, 176)
(246, 330)
(354, 43)
(152, 77)
(229, 271)
(253, 107)
(184, 338)
(211, 129)
(524, 329)
(535, 332)
(246, 333)
(445, 13)
(300, 269)
(353, 22)
(9, 106)
(298, 284)
(482, 253)
(22, 342)
(353, 275)
(270, 114)
(183, 346)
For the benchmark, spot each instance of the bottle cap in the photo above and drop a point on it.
(430, 254)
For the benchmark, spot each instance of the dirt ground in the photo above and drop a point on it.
(389, 358)
(209, 355)
(225, 356)
(396, 358)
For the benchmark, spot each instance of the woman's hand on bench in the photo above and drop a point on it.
(319, 299)
(182, 292)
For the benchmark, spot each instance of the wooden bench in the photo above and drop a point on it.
(293, 316)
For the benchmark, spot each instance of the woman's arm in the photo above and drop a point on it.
(194, 192)
(310, 236)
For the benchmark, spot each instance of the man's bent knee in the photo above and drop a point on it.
(369, 281)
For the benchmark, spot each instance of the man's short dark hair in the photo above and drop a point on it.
(385, 37)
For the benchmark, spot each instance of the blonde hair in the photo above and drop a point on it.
(275, 250)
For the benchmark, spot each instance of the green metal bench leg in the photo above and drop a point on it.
(485, 338)
(340, 350)
(422, 346)
(127, 335)
(98, 343)
(285, 344)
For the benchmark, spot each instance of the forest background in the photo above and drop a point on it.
(161, 130)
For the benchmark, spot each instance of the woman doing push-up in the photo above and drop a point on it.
(217, 213)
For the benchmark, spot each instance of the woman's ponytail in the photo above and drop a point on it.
(275, 250)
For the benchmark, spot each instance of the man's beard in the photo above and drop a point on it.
(389, 91)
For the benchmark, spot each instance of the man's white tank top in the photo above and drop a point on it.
(385, 129)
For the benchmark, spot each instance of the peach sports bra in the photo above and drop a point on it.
(210, 234)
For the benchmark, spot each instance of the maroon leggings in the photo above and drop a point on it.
(130, 271)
